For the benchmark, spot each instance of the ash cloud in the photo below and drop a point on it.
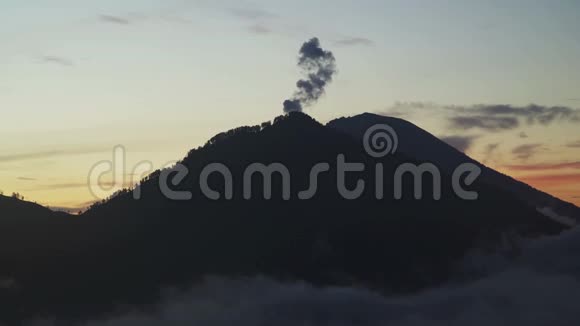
(319, 66)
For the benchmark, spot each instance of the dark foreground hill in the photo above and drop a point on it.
(125, 250)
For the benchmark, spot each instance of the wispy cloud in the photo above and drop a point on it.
(114, 19)
(61, 61)
(461, 143)
(62, 186)
(353, 41)
(252, 14)
(575, 144)
(526, 151)
(49, 154)
(76, 185)
(532, 114)
(493, 118)
(484, 123)
(552, 180)
(259, 29)
(259, 20)
(490, 150)
(26, 179)
(171, 14)
(540, 167)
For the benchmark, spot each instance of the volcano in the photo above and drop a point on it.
(125, 250)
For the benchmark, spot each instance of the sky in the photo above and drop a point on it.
(160, 77)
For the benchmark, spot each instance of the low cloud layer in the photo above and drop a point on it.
(541, 288)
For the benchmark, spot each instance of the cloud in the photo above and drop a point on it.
(259, 19)
(490, 150)
(575, 144)
(118, 20)
(61, 61)
(319, 66)
(259, 29)
(526, 151)
(61, 186)
(170, 13)
(540, 287)
(49, 154)
(74, 185)
(26, 179)
(540, 167)
(461, 143)
(483, 122)
(532, 114)
(353, 41)
(73, 208)
(252, 14)
(552, 180)
(30, 156)
(494, 118)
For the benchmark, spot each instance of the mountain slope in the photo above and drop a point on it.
(420, 145)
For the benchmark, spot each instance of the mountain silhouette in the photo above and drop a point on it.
(421, 145)
(124, 251)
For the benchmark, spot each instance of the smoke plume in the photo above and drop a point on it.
(319, 66)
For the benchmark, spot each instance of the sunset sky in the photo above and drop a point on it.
(160, 77)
